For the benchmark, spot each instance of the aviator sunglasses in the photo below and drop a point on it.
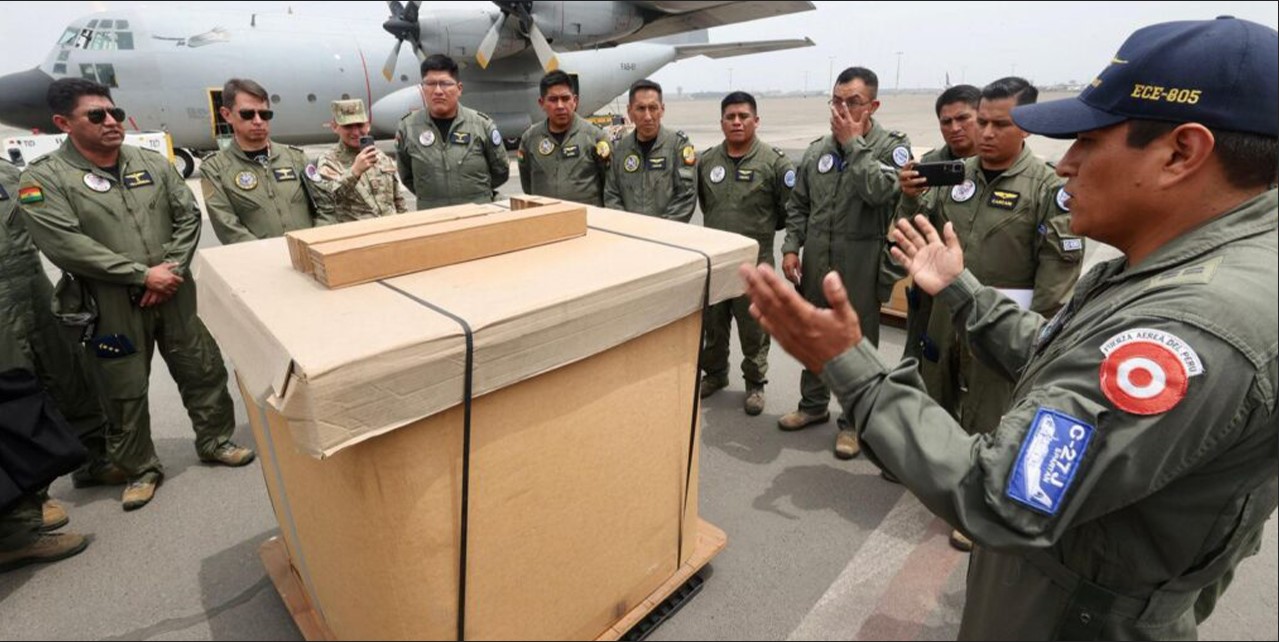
(99, 115)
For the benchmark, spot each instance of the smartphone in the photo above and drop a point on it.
(942, 172)
(366, 141)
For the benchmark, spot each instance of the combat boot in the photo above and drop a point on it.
(754, 403)
(711, 385)
(961, 541)
(229, 454)
(55, 516)
(846, 445)
(140, 491)
(98, 473)
(49, 547)
(797, 419)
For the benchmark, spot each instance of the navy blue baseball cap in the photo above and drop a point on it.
(1223, 74)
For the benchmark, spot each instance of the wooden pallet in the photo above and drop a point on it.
(275, 556)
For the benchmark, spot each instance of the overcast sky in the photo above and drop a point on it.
(975, 42)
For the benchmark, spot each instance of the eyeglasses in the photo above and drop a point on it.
(99, 115)
(852, 103)
(441, 84)
(264, 114)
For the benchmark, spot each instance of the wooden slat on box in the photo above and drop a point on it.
(526, 201)
(386, 254)
(300, 240)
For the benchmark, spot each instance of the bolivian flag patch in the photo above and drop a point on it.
(30, 195)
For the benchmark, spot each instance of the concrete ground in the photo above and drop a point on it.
(818, 548)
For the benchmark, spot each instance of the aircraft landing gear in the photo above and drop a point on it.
(184, 161)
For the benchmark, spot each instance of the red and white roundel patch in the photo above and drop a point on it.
(1147, 372)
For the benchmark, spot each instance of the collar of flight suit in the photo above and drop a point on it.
(69, 153)
(573, 127)
(1024, 160)
(871, 139)
(659, 141)
(1251, 218)
(464, 115)
(750, 152)
(272, 152)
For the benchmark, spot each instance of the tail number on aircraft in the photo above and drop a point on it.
(628, 66)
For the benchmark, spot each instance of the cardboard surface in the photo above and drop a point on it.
(343, 366)
(577, 499)
(381, 255)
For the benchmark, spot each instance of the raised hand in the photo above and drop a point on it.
(813, 335)
(932, 264)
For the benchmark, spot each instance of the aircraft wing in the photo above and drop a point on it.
(730, 49)
(668, 18)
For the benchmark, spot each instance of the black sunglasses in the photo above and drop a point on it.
(99, 115)
(264, 114)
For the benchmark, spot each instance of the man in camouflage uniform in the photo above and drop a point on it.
(654, 172)
(122, 221)
(449, 154)
(743, 187)
(1011, 218)
(256, 189)
(839, 211)
(956, 110)
(1138, 462)
(564, 156)
(360, 182)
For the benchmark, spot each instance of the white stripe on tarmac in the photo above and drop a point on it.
(854, 594)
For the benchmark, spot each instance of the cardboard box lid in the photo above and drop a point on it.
(347, 365)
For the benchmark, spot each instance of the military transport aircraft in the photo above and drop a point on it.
(167, 67)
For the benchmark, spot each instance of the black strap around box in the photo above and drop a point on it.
(466, 421)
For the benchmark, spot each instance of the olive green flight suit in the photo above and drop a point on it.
(1108, 503)
(463, 165)
(374, 193)
(108, 232)
(247, 201)
(747, 196)
(573, 170)
(1016, 235)
(662, 184)
(919, 304)
(839, 214)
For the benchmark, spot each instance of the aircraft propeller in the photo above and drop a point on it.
(523, 11)
(404, 26)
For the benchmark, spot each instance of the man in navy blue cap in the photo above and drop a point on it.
(1138, 460)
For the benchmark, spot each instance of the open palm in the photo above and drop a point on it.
(932, 263)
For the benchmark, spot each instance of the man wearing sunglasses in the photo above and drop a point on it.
(123, 222)
(845, 192)
(255, 189)
(449, 154)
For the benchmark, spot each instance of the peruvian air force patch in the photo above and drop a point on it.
(1051, 454)
(1147, 372)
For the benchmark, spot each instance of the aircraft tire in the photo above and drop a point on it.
(184, 161)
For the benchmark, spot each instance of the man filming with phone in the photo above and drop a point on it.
(358, 179)
(1011, 216)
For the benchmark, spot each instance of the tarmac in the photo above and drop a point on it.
(818, 548)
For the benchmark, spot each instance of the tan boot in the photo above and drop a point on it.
(50, 547)
(229, 454)
(754, 403)
(140, 491)
(711, 385)
(961, 541)
(846, 445)
(99, 473)
(55, 516)
(797, 419)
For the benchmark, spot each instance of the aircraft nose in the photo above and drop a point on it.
(23, 100)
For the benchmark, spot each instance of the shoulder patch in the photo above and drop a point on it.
(30, 195)
(901, 155)
(1146, 371)
(789, 178)
(1063, 199)
(1051, 454)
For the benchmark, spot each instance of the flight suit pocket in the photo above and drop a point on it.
(124, 377)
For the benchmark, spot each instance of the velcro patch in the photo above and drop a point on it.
(1050, 456)
(657, 163)
(1004, 199)
(30, 195)
(745, 175)
(284, 174)
(138, 179)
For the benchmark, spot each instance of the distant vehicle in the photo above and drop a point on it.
(614, 124)
(167, 67)
(23, 150)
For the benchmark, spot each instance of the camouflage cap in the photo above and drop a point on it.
(349, 112)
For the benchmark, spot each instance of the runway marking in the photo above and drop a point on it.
(899, 559)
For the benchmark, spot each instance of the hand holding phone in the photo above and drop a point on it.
(366, 141)
(941, 173)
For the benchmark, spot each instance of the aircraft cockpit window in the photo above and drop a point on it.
(124, 39)
(121, 24)
(106, 24)
(63, 55)
(106, 75)
(92, 24)
(60, 68)
(68, 36)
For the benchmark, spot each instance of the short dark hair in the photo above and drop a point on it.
(737, 98)
(1249, 160)
(554, 79)
(1011, 87)
(967, 94)
(439, 62)
(863, 74)
(643, 85)
(237, 86)
(64, 94)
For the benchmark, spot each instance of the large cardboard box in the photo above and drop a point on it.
(570, 494)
